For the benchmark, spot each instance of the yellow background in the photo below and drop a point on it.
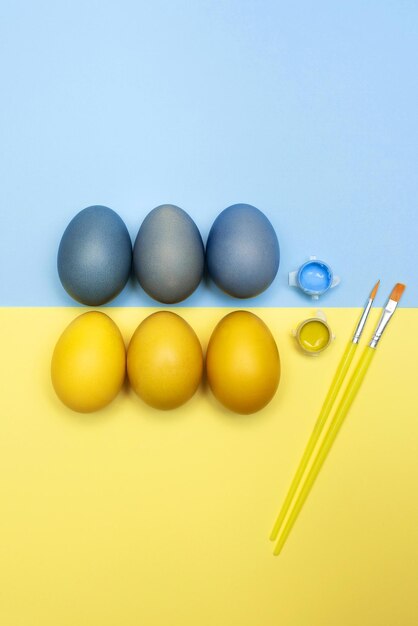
(134, 516)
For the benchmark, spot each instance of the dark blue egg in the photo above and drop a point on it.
(95, 256)
(242, 251)
(169, 255)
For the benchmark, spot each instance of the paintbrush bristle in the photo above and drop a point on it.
(374, 290)
(397, 292)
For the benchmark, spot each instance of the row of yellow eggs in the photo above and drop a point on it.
(165, 362)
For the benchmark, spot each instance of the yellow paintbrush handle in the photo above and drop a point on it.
(336, 423)
(319, 425)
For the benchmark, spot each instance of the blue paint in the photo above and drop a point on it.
(314, 277)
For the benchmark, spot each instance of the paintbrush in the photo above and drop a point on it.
(341, 412)
(325, 411)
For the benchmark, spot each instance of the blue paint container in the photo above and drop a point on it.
(314, 278)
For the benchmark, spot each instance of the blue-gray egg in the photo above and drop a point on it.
(169, 255)
(242, 251)
(95, 256)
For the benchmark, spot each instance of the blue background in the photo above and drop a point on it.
(308, 110)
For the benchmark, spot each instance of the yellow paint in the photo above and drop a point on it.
(131, 515)
(89, 362)
(314, 336)
(165, 360)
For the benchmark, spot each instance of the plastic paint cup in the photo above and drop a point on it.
(314, 278)
(313, 335)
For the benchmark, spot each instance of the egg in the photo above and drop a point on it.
(243, 363)
(242, 251)
(89, 363)
(168, 254)
(95, 256)
(165, 360)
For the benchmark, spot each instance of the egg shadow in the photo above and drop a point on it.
(148, 412)
(86, 419)
(133, 284)
(240, 419)
(226, 300)
(227, 415)
(126, 388)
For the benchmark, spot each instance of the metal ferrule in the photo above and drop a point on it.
(362, 322)
(383, 322)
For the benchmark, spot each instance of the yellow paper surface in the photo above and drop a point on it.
(133, 516)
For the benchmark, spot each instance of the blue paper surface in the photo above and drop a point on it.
(305, 110)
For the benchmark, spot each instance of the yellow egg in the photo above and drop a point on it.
(165, 361)
(242, 362)
(89, 363)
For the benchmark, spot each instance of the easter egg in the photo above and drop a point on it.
(168, 254)
(89, 363)
(165, 360)
(95, 256)
(242, 363)
(242, 251)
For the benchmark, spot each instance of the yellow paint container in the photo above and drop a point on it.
(314, 335)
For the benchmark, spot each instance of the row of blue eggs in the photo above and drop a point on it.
(95, 254)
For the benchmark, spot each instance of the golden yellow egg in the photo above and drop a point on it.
(243, 363)
(165, 360)
(89, 363)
